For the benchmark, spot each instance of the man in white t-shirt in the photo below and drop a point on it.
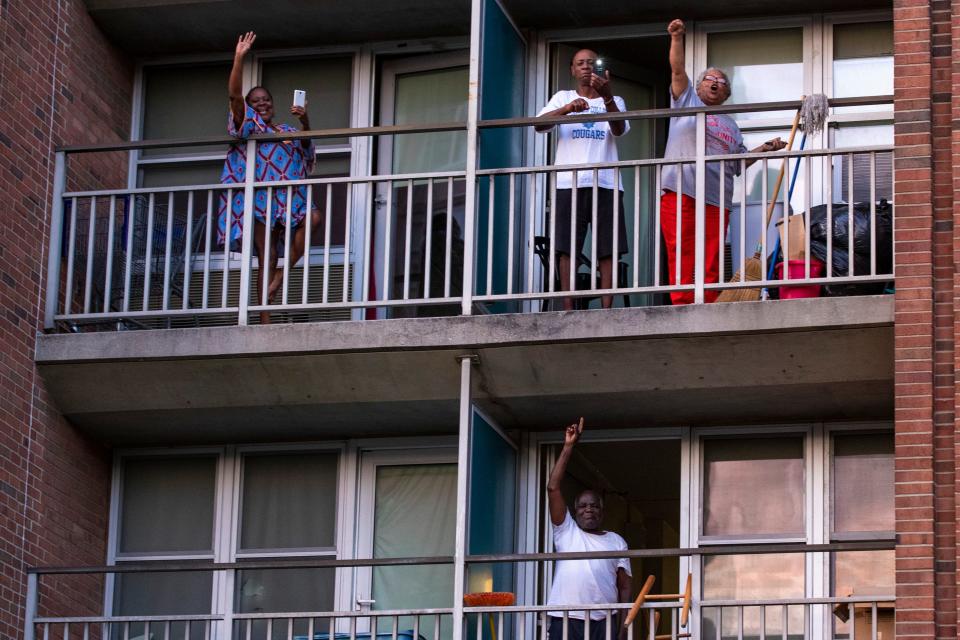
(580, 143)
(598, 581)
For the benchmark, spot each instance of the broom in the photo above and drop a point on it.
(813, 109)
(490, 599)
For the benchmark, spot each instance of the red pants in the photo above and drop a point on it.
(712, 240)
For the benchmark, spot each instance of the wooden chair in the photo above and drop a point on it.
(645, 596)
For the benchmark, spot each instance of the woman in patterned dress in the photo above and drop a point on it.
(286, 160)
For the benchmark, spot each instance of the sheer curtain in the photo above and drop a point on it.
(415, 515)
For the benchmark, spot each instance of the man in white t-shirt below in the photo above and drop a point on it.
(581, 143)
(583, 582)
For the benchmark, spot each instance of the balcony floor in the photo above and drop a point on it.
(800, 360)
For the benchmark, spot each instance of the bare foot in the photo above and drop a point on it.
(264, 317)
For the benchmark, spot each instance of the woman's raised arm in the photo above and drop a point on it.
(235, 84)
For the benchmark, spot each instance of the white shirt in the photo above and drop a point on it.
(585, 581)
(585, 142)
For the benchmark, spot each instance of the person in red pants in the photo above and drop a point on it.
(723, 137)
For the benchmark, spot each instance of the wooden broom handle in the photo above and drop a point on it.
(783, 169)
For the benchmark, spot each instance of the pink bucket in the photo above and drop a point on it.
(798, 270)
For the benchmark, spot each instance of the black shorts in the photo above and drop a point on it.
(598, 629)
(585, 218)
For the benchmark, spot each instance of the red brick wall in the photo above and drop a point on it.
(927, 241)
(60, 82)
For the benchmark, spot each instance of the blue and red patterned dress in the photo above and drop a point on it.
(287, 160)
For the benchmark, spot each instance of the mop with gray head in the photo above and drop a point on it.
(813, 114)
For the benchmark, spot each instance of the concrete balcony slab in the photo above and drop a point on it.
(800, 360)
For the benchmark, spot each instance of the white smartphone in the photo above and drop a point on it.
(299, 98)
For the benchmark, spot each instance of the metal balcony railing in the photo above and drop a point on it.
(453, 242)
(799, 618)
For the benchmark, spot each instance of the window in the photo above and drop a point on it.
(286, 506)
(753, 487)
(862, 484)
(863, 62)
(763, 66)
(755, 490)
(166, 512)
(862, 488)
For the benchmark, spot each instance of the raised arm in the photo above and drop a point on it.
(558, 507)
(235, 84)
(679, 80)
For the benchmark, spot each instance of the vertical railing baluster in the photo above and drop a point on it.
(428, 244)
(785, 194)
(167, 250)
(108, 270)
(699, 268)
(574, 249)
(828, 187)
(808, 202)
(656, 227)
(636, 227)
(55, 250)
(511, 222)
(615, 258)
(362, 251)
(722, 215)
(531, 228)
(225, 268)
(553, 275)
(407, 240)
(71, 257)
(287, 247)
(678, 278)
(91, 246)
(365, 252)
(448, 249)
(763, 224)
(246, 254)
(30, 608)
(266, 274)
(850, 203)
(594, 263)
(128, 261)
(388, 228)
(207, 242)
(327, 221)
(307, 245)
(187, 252)
(873, 213)
(491, 214)
(148, 251)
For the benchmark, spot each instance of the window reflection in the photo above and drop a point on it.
(753, 577)
(753, 487)
(863, 484)
(764, 66)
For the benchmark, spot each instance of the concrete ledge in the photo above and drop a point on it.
(468, 332)
(746, 363)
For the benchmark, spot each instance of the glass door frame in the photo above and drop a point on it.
(367, 466)
(386, 86)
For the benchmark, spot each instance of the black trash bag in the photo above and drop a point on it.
(840, 266)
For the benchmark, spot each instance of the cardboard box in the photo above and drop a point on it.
(798, 238)
(863, 621)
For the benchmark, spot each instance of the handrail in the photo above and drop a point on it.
(638, 114)
(161, 566)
